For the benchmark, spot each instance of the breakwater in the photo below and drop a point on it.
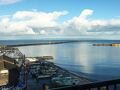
(112, 44)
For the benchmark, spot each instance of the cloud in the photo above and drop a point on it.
(85, 13)
(31, 22)
(78, 25)
(82, 25)
(6, 2)
(43, 23)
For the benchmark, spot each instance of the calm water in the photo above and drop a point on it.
(94, 62)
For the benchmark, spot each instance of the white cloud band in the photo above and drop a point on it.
(34, 22)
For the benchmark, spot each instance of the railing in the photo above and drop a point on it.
(104, 85)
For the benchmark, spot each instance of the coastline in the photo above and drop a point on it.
(19, 43)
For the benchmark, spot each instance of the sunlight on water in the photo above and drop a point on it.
(95, 62)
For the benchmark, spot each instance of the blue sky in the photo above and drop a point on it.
(100, 17)
(102, 9)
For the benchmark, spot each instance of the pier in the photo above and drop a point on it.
(112, 44)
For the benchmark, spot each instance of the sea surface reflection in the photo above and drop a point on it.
(94, 62)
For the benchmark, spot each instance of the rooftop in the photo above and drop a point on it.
(7, 63)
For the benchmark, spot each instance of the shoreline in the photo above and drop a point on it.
(20, 43)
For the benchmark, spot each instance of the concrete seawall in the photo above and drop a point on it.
(112, 44)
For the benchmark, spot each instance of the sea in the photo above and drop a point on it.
(82, 57)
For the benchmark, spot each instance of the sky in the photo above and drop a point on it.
(34, 19)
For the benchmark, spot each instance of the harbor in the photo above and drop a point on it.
(59, 44)
(38, 73)
(19, 71)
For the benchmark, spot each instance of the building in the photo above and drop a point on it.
(9, 71)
